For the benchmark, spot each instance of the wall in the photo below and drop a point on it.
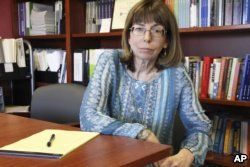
(6, 29)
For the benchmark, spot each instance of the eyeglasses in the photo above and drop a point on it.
(156, 32)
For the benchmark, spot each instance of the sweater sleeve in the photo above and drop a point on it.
(94, 111)
(197, 124)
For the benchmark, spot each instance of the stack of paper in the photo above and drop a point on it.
(9, 50)
(54, 58)
(42, 20)
(40, 60)
(12, 51)
(42, 23)
(36, 145)
(48, 59)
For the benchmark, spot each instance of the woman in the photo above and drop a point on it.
(137, 93)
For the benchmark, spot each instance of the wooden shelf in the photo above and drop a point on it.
(223, 160)
(225, 102)
(233, 28)
(98, 35)
(58, 36)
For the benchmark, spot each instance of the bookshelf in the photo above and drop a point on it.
(215, 41)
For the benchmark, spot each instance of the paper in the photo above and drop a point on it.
(54, 59)
(63, 69)
(8, 67)
(16, 109)
(20, 53)
(64, 142)
(78, 67)
(121, 10)
(41, 63)
(9, 50)
(105, 25)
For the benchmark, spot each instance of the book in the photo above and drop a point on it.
(214, 128)
(218, 132)
(226, 148)
(244, 80)
(78, 66)
(235, 80)
(36, 145)
(205, 76)
(236, 136)
(228, 12)
(231, 78)
(237, 11)
(246, 12)
(222, 79)
(243, 137)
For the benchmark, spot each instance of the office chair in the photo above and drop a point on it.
(59, 103)
(178, 134)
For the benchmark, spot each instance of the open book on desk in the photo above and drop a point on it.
(36, 145)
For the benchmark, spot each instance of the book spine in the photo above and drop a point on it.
(205, 76)
(229, 93)
(237, 11)
(217, 135)
(235, 81)
(222, 136)
(248, 80)
(243, 90)
(211, 80)
(228, 12)
(228, 78)
(223, 71)
(216, 78)
(227, 136)
(246, 12)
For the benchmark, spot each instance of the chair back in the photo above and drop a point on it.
(59, 103)
(178, 134)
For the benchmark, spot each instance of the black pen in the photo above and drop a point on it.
(52, 138)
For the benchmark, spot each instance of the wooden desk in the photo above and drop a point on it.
(100, 152)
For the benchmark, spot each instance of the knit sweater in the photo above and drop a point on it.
(114, 103)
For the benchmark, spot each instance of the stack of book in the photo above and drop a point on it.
(220, 78)
(230, 136)
(206, 13)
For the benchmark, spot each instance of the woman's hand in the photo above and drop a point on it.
(148, 135)
(183, 158)
(152, 138)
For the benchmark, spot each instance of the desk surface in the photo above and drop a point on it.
(100, 152)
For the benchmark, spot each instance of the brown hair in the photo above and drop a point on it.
(154, 10)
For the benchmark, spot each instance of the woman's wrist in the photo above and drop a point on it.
(187, 153)
(143, 135)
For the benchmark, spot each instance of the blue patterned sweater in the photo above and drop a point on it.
(114, 103)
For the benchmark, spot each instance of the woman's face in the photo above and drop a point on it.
(147, 40)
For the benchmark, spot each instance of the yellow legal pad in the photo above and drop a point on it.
(36, 145)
